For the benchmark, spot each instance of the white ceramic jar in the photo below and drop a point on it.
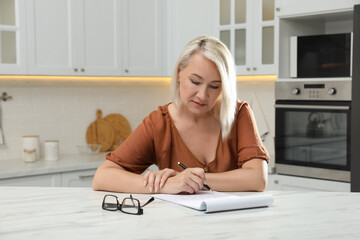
(31, 148)
(51, 150)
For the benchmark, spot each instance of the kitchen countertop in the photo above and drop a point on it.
(19, 168)
(75, 213)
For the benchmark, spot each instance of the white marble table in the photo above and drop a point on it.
(75, 213)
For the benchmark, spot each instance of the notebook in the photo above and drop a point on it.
(209, 201)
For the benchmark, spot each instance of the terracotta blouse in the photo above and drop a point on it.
(157, 141)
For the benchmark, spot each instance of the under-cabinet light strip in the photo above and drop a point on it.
(117, 79)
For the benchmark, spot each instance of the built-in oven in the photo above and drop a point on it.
(312, 128)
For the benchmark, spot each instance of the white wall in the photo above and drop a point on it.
(265, 93)
(64, 112)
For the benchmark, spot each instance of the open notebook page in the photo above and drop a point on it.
(216, 201)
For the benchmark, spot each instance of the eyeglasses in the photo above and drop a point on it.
(128, 205)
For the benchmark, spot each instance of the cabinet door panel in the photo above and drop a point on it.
(8, 47)
(12, 37)
(294, 8)
(78, 178)
(142, 41)
(50, 37)
(187, 19)
(292, 183)
(249, 34)
(46, 180)
(264, 37)
(100, 44)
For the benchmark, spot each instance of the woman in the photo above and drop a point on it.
(205, 128)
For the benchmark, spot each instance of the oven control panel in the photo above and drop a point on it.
(309, 90)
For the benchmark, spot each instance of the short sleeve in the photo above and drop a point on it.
(137, 152)
(249, 144)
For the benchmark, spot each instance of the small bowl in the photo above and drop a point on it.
(89, 149)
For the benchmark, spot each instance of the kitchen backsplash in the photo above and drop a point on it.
(64, 113)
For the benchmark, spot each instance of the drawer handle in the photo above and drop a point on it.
(82, 177)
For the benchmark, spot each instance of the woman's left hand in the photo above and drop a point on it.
(155, 180)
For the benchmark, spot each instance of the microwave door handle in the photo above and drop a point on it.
(312, 107)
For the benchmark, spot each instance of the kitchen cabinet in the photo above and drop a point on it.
(292, 8)
(186, 20)
(94, 37)
(12, 37)
(142, 37)
(285, 183)
(74, 37)
(43, 180)
(248, 28)
(81, 178)
(77, 178)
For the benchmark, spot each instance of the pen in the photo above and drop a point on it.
(183, 167)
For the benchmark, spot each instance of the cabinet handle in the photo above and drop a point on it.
(277, 9)
(83, 177)
(126, 70)
(248, 69)
(276, 181)
(83, 70)
(254, 68)
(75, 69)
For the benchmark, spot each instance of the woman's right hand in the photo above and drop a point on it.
(155, 180)
(191, 180)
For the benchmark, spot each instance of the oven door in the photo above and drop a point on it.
(312, 138)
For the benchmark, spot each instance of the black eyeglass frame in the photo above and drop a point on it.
(136, 204)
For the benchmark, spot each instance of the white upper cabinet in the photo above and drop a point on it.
(99, 37)
(142, 37)
(95, 37)
(248, 28)
(74, 37)
(293, 8)
(186, 20)
(12, 37)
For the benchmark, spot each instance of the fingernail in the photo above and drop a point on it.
(156, 188)
(150, 189)
(145, 183)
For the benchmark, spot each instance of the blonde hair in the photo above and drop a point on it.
(217, 52)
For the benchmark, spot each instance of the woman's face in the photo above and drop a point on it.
(200, 85)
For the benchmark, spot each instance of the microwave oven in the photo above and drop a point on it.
(321, 56)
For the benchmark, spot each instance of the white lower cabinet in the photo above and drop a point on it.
(77, 178)
(44, 180)
(289, 183)
(81, 178)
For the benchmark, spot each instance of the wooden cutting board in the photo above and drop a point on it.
(121, 127)
(100, 132)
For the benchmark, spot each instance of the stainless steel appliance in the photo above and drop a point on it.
(312, 130)
(321, 56)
